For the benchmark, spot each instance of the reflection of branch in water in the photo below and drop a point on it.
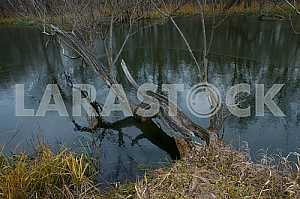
(150, 131)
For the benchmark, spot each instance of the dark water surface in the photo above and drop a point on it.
(244, 50)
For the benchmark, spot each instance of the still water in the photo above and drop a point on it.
(244, 50)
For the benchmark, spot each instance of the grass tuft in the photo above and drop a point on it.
(47, 175)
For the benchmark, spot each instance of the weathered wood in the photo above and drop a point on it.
(179, 123)
(74, 41)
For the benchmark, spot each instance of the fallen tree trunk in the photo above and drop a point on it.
(179, 123)
(179, 126)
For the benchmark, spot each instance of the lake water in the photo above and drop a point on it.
(244, 50)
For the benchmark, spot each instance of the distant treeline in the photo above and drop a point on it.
(13, 7)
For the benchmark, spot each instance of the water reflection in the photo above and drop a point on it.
(244, 50)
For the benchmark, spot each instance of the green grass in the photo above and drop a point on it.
(18, 21)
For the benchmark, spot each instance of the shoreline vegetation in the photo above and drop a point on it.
(46, 175)
(214, 171)
(268, 12)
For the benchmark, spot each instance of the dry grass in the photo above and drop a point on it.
(218, 9)
(187, 9)
(48, 175)
(216, 172)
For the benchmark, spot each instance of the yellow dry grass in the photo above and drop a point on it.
(47, 175)
(216, 172)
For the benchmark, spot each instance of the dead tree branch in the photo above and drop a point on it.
(179, 123)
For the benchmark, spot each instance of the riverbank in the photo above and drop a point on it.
(216, 171)
(269, 11)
